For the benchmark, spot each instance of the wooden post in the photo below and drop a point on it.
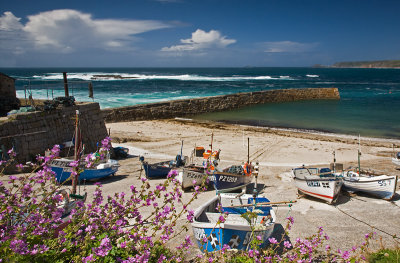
(65, 84)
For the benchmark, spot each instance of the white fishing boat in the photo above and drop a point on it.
(237, 230)
(382, 186)
(317, 182)
(396, 159)
(192, 175)
(202, 164)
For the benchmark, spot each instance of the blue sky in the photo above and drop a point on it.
(202, 33)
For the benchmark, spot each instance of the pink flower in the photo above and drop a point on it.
(190, 215)
(74, 163)
(287, 244)
(272, 240)
(88, 258)
(221, 219)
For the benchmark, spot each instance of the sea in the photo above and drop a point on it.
(369, 104)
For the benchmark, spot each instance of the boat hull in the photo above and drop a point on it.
(235, 232)
(380, 186)
(157, 170)
(321, 188)
(234, 238)
(63, 173)
(396, 161)
(226, 182)
(191, 176)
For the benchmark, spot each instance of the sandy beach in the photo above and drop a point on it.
(277, 151)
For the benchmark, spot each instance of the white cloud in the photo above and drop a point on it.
(288, 47)
(13, 39)
(201, 40)
(10, 22)
(67, 30)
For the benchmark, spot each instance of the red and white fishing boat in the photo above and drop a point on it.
(317, 182)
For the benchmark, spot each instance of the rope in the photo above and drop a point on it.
(373, 227)
(393, 203)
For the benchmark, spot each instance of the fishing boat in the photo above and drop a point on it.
(162, 169)
(232, 178)
(62, 166)
(382, 186)
(192, 175)
(396, 159)
(197, 174)
(237, 230)
(357, 180)
(317, 182)
(62, 169)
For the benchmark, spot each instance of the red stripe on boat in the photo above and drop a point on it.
(326, 196)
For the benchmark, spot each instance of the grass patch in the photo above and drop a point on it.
(385, 255)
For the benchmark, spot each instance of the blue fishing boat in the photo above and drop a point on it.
(231, 178)
(161, 169)
(62, 169)
(62, 166)
(237, 230)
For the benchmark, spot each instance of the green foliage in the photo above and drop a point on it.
(241, 259)
(385, 256)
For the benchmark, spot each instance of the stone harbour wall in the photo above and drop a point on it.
(181, 108)
(32, 133)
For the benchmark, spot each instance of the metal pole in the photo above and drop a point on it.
(248, 150)
(65, 84)
(76, 154)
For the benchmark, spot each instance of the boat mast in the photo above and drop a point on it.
(248, 150)
(359, 154)
(76, 153)
(334, 162)
(212, 137)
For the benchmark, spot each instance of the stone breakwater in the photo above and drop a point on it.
(32, 133)
(188, 107)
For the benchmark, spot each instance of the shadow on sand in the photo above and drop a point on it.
(107, 180)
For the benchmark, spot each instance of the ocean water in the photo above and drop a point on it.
(369, 104)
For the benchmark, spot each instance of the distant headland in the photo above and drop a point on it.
(364, 64)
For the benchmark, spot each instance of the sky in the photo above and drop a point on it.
(197, 33)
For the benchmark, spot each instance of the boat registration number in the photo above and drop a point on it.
(313, 184)
(384, 183)
(194, 175)
(229, 179)
(67, 169)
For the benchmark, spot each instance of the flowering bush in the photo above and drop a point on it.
(34, 226)
(138, 226)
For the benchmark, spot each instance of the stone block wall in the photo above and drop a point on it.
(33, 133)
(181, 108)
(8, 96)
